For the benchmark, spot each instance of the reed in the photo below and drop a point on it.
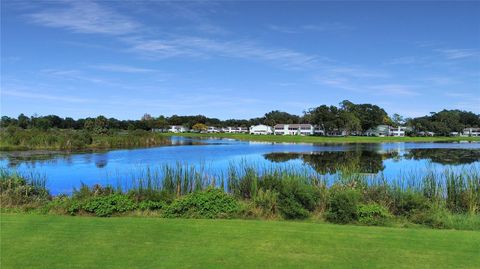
(432, 198)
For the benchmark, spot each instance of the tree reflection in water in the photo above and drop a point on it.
(329, 162)
(445, 156)
(371, 161)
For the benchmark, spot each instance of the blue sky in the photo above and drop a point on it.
(237, 59)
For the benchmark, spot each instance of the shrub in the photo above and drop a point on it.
(267, 202)
(292, 209)
(151, 205)
(21, 190)
(140, 195)
(296, 199)
(210, 203)
(408, 203)
(373, 214)
(86, 192)
(104, 206)
(342, 206)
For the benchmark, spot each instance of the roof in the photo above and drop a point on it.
(293, 125)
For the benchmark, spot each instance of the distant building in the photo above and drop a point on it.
(160, 130)
(213, 129)
(397, 131)
(261, 129)
(471, 132)
(386, 130)
(317, 130)
(294, 129)
(427, 133)
(336, 132)
(235, 130)
(380, 130)
(178, 129)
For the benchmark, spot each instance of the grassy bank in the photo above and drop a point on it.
(324, 139)
(69, 139)
(33, 241)
(445, 200)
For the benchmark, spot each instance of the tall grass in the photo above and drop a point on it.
(69, 139)
(458, 190)
(434, 198)
(22, 189)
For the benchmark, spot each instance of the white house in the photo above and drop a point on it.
(471, 132)
(294, 129)
(178, 129)
(380, 130)
(243, 130)
(261, 129)
(397, 131)
(213, 129)
(427, 133)
(317, 130)
(235, 130)
(386, 130)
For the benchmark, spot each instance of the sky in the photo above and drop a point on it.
(229, 59)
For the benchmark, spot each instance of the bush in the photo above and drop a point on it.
(296, 199)
(20, 190)
(373, 214)
(342, 206)
(211, 203)
(267, 202)
(141, 195)
(151, 205)
(409, 203)
(104, 206)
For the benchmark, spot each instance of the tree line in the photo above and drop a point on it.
(347, 116)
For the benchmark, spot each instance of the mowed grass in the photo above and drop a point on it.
(324, 139)
(46, 241)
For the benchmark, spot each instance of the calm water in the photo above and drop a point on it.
(65, 171)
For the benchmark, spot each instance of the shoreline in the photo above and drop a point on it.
(323, 139)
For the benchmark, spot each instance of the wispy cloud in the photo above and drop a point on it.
(455, 54)
(86, 17)
(73, 74)
(405, 60)
(394, 90)
(43, 96)
(204, 47)
(358, 72)
(122, 68)
(323, 27)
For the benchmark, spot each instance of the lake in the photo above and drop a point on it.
(64, 171)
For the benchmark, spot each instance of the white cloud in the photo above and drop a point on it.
(455, 54)
(204, 47)
(322, 27)
(405, 60)
(42, 96)
(122, 68)
(86, 17)
(394, 90)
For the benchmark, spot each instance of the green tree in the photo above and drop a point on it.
(199, 127)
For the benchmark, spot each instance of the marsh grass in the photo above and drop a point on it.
(70, 139)
(437, 198)
(27, 190)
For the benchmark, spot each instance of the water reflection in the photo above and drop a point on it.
(445, 156)
(32, 158)
(371, 161)
(329, 162)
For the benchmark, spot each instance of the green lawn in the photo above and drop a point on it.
(323, 139)
(37, 241)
